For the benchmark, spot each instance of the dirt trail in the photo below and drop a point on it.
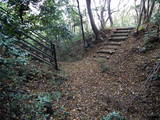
(92, 90)
(92, 94)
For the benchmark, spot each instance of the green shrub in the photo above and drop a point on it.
(104, 68)
(12, 59)
(113, 116)
(103, 65)
(150, 36)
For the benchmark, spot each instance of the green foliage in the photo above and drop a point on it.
(11, 61)
(157, 1)
(104, 68)
(55, 21)
(56, 27)
(151, 34)
(42, 103)
(150, 38)
(17, 3)
(103, 65)
(11, 56)
(141, 28)
(45, 107)
(57, 95)
(113, 116)
(17, 103)
(156, 18)
(52, 21)
(73, 15)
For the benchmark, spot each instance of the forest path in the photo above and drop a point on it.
(93, 92)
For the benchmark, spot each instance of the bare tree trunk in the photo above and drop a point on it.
(82, 28)
(148, 10)
(99, 17)
(137, 12)
(140, 16)
(144, 11)
(102, 19)
(151, 9)
(102, 14)
(147, 7)
(94, 27)
(109, 13)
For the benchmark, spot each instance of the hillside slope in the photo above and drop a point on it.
(93, 92)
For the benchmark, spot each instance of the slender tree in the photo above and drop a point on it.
(81, 20)
(146, 11)
(101, 14)
(109, 13)
(93, 25)
(148, 7)
(137, 11)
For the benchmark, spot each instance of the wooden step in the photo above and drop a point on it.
(129, 28)
(109, 51)
(109, 47)
(122, 31)
(119, 35)
(113, 43)
(117, 39)
(102, 56)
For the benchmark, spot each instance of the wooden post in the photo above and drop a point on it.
(53, 53)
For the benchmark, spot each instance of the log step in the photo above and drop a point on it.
(130, 28)
(109, 47)
(122, 31)
(113, 43)
(118, 38)
(119, 35)
(109, 51)
(102, 56)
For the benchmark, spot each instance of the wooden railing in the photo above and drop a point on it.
(34, 43)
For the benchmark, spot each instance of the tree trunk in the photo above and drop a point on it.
(109, 13)
(82, 28)
(137, 12)
(151, 9)
(144, 12)
(140, 16)
(93, 25)
(102, 15)
(147, 7)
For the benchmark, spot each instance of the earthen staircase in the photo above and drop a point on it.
(109, 47)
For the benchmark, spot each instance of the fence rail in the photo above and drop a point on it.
(34, 43)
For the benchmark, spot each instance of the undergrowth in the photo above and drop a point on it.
(18, 102)
(103, 65)
(113, 116)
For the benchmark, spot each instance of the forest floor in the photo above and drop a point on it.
(93, 93)
(91, 88)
